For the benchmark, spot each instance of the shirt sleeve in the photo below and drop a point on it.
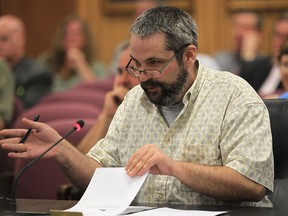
(106, 150)
(246, 144)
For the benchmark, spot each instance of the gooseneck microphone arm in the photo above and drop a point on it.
(76, 126)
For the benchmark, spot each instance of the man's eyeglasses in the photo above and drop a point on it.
(151, 72)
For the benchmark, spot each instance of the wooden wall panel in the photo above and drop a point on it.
(257, 5)
(213, 25)
(111, 28)
(40, 18)
(214, 20)
(212, 16)
(108, 31)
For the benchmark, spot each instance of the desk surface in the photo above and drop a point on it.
(33, 206)
(42, 205)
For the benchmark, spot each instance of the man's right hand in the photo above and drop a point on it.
(40, 139)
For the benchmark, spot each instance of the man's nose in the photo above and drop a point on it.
(143, 77)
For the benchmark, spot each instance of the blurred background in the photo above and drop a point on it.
(110, 20)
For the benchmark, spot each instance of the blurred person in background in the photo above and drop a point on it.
(32, 80)
(123, 82)
(6, 95)
(283, 66)
(246, 33)
(71, 57)
(282, 63)
(269, 66)
(264, 73)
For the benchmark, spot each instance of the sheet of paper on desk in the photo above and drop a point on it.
(172, 212)
(109, 192)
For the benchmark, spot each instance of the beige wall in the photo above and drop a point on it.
(40, 18)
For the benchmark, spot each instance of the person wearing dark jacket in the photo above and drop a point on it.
(32, 80)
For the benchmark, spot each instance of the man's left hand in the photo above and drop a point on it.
(149, 158)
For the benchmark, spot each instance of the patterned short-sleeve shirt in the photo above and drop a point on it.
(223, 123)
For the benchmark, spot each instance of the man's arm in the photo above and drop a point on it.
(78, 167)
(220, 182)
(80, 174)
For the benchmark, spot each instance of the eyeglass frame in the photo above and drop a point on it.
(132, 70)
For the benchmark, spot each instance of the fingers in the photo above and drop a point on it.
(140, 162)
(119, 94)
(38, 126)
(19, 154)
(19, 133)
(149, 158)
(75, 56)
(13, 140)
(7, 133)
(16, 147)
(121, 91)
(16, 150)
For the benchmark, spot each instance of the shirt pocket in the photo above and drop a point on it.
(206, 154)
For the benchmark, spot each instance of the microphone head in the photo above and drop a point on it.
(79, 125)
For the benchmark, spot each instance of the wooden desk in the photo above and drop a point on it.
(33, 206)
(42, 206)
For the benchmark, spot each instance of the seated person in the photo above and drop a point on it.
(246, 34)
(71, 58)
(282, 60)
(6, 95)
(283, 67)
(32, 80)
(123, 82)
(267, 71)
(203, 135)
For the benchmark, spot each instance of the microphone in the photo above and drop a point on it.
(10, 203)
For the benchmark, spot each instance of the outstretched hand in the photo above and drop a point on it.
(41, 138)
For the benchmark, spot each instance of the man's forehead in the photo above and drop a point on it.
(150, 41)
(148, 46)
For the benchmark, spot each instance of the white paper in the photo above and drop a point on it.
(172, 212)
(109, 192)
(133, 209)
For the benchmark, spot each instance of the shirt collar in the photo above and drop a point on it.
(192, 93)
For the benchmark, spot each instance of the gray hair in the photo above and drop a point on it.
(176, 24)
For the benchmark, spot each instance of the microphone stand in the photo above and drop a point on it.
(10, 203)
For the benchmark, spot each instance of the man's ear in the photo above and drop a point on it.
(190, 55)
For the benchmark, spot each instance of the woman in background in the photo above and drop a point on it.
(71, 58)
